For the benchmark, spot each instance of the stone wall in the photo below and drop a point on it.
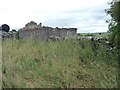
(10, 34)
(32, 30)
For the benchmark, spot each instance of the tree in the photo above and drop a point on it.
(114, 22)
(114, 29)
(13, 30)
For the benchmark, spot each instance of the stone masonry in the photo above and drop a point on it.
(32, 30)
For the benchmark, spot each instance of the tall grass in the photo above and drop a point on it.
(64, 63)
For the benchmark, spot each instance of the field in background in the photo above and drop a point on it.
(64, 63)
(103, 34)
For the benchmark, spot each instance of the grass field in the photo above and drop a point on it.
(65, 63)
(104, 34)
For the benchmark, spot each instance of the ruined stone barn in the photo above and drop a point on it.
(32, 30)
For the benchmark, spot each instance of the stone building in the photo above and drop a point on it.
(32, 30)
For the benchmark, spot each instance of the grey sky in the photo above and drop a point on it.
(86, 15)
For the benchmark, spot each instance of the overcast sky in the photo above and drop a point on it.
(85, 15)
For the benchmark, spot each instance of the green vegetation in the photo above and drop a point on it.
(64, 63)
(114, 27)
(94, 34)
(114, 22)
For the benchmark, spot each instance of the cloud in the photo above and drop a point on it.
(86, 19)
(87, 16)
